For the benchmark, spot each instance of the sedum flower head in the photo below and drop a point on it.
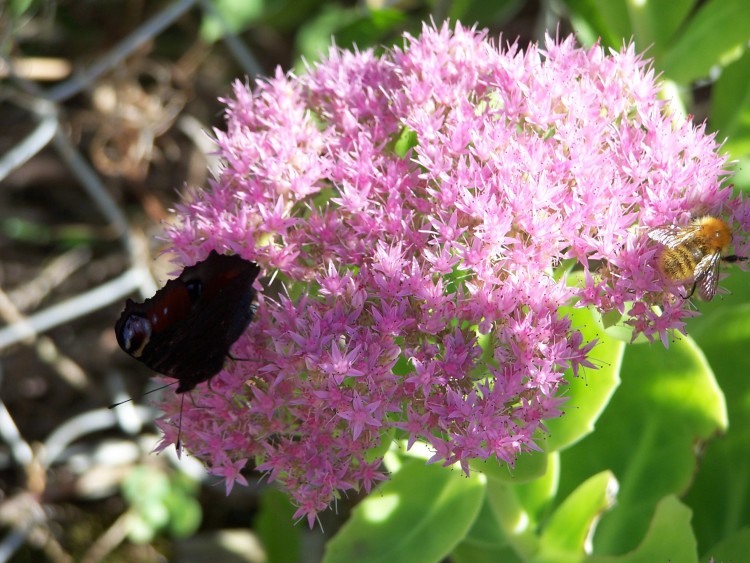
(414, 209)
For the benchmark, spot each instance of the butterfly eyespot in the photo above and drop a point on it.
(135, 334)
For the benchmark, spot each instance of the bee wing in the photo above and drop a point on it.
(672, 235)
(707, 276)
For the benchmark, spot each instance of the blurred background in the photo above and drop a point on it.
(104, 111)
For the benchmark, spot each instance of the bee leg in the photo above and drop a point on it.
(692, 290)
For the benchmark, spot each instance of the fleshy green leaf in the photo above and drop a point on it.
(516, 511)
(667, 403)
(370, 27)
(529, 466)
(348, 27)
(158, 501)
(483, 12)
(185, 515)
(316, 35)
(519, 507)
(730, 107)
(513, 519)
(589, 393)
(656, 22)
(407, 139)
(281, 538)
(565, 535)
(669, 537)
(236, 15)
(732, 548)
(419, 515)
(719, 495)
(716, 35)
(536, 496)
(594, 21)
(484, 543)
(651, 24)
(139, 530)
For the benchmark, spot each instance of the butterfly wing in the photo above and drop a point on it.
(186, 329)
(220, 315)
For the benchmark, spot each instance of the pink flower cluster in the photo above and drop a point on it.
(412, 211)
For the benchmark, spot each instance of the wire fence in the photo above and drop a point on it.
(24, 514)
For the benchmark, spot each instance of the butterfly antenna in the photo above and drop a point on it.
(236, 359)
(178, 444)
(273, 276)
(143, 395)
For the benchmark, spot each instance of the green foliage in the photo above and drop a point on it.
(231, 15)
(348, 28)
(469, 11)
(565, 533)
(699, 47)
(280, 537)
(730, 108)
(685, 39)
(406, 141)
(33, 233)
(669, 537)
(588, 394)
(719, 495)
(19, 7)
(668, 402)
(160, 502)
(419, 515)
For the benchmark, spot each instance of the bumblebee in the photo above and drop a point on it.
(693, 252)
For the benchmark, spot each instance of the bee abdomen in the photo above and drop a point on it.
(679, 263)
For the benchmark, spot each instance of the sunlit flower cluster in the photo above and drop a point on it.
(417, 216)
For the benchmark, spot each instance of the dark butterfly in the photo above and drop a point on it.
(186, 329)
